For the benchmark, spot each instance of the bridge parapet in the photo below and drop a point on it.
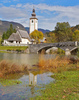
(34, 48)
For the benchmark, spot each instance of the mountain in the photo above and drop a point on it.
(43, 30)
(4, 25)
(39, 29)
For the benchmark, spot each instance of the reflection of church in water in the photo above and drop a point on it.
(32, 79)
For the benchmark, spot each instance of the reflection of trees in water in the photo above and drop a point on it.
(15, 75)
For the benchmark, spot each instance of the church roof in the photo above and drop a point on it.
(33, 14)
(14, 37)
(23, 34)
(18, 35)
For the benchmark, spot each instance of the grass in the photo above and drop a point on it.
(7, 67)
(0, 39)
(7, 82)
(66, 87)
(66, 75)
(13, 48)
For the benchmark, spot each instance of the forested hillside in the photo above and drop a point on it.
(4, 26)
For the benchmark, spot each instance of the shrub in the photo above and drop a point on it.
(56, 64)
(7, 67)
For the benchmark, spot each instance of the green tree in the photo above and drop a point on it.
(8, 32)
(63, 32)
(51, 38)
(37, 35)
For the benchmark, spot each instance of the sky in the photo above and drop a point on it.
(48, 12)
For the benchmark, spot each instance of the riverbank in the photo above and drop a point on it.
(8, 68)
(58, 63)
(66, 75)
(10, 72)
(66, 87)
(13, 49)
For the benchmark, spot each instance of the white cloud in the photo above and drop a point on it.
(56, 14)
(6, 1)
(22, 21)
(19, 5)
(10, 13)
(48, 15)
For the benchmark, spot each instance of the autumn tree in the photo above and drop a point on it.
(51, 38)
(63, 32)
(37, 35)
(76, 35)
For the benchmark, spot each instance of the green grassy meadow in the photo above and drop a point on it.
(15, 48)
(66, 87)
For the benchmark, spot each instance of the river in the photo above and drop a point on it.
(30, 83)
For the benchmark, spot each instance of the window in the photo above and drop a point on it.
(32, 21)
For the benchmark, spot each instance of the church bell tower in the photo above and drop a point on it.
(33, 22)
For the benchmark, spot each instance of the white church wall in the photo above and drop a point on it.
(14, 42)
(5, 42)
(33, 25)
(36, 24)
(25, 41)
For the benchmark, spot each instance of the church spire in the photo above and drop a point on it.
(33, 12)
(33, 21)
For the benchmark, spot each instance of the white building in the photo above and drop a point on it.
(33, 22)
(20, 38)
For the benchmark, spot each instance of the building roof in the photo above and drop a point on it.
(14, 37)
(18, 35)
(33, 14)
(23, 34)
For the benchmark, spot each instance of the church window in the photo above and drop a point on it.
(32, 21)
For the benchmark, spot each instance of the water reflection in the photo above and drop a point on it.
(31, 82)
(29, 59)
(28, 88)
(32, 79)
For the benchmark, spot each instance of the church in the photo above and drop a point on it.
(21, 37)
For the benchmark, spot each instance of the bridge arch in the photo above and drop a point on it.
(45, 48)
(74, 51)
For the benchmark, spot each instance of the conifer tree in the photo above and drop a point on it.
(8, 32)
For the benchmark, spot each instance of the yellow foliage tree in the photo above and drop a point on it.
(76, 35)
(37, 35)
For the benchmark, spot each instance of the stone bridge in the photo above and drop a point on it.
(68, 47)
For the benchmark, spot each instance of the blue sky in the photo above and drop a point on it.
(48, 12)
